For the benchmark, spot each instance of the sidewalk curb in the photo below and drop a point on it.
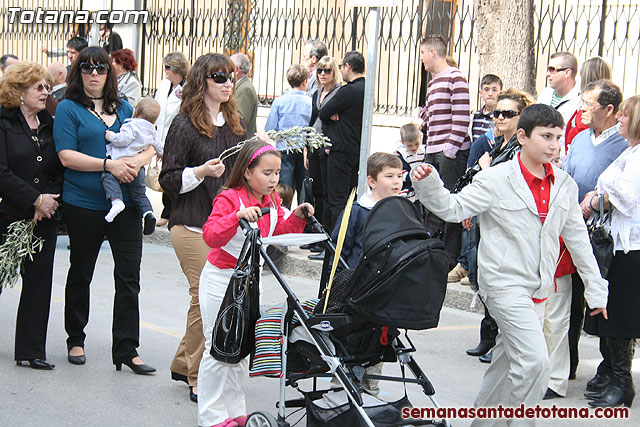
(295, 263)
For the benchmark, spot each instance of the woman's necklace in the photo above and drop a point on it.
(95, 99)
(100, 114)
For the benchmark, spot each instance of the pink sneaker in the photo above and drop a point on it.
(229, 422)
(241, 421)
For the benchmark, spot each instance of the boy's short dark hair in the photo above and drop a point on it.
(286, 195)
(77, 43)
(488, 79)
(355, 60)
(377, 161)
(147, 109)
(409, 133)
(297, 74)
(539, 115)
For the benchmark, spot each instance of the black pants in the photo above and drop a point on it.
(35, 297)
(342, 177)
(576, 320)
(87, 229)
(318, 172)
(448, 170)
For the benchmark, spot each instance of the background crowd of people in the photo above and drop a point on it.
(53, 152)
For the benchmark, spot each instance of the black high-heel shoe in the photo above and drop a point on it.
(192, 395)
(77, 360)
(138, 369)
(38, 364)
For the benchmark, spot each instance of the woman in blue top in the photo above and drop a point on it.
(90, 108)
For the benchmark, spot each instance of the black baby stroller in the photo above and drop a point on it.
(399, 283)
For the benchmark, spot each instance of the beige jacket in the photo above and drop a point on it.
(517, 252)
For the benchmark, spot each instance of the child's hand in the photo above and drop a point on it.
(251, 214)
(421, 172)
(298, 211)
(106, 135)
(467, 224)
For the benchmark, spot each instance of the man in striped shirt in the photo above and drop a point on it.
(446, 121)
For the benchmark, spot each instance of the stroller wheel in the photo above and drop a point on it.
(261, 419)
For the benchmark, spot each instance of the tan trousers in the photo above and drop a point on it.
(192, 253)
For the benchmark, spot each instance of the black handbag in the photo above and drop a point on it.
(600, 237)
(234, 331)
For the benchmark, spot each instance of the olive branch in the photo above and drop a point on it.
(294, 140)
(19, 243)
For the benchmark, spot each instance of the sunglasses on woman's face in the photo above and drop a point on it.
(220, 77)
(42, 87)
(325, 70)
(87, 68)
(167, 67)
(507, 114)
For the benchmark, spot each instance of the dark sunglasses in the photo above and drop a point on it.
(167, 67)
(220, 77)
(507, 114)
(325, 71)
(42, 87)
(87, 68)
(556, 70)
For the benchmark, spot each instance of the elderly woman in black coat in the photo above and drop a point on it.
(30, 186)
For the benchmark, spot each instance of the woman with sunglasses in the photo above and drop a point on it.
(511, 102)
(169, 96)
(90, 109)
(192, 174)
(125, 65)
(328, 79)
(30, 187)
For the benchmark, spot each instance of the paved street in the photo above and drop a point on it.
(96, 395)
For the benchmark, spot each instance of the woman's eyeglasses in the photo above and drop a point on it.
(167, 67)
(325, 70)
(507, 114)
(87, 68)
(42, 87)
(220, 77)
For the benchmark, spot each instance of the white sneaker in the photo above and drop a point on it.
(465, 281)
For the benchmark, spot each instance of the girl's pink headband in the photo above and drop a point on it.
(260, 151)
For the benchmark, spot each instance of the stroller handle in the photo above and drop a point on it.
(245, 224)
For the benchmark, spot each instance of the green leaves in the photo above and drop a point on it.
(19, 243)
(294, 140)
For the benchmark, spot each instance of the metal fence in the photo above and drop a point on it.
(273, 34)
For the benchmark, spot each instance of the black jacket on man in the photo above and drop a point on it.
(347, 103)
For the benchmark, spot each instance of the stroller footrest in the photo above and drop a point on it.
(328, 321)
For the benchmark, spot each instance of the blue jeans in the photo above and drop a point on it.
(137, 190)
(292, 171)
(469, 250)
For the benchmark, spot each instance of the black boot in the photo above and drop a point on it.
(620, 390)
(604, 373)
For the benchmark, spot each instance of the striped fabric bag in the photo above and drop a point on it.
(266, 358)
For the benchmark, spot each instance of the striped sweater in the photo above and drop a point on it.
(446, 113)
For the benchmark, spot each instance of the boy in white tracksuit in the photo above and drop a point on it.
(524, 206)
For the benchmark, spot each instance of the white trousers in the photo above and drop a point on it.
(220, 395)
(519, 369)
(556, 334)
